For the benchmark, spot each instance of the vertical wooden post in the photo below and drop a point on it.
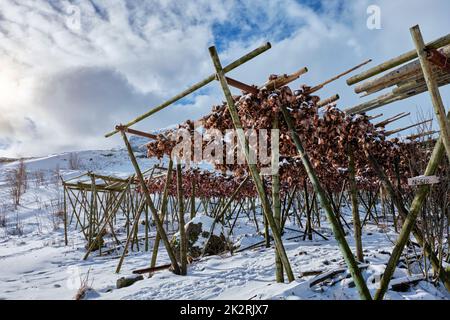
(433, 88)
(337, 230)
(308, 209)
(266, 232)
(182, 231)
(159, 226)
(355, 209)
(103, 227)
(146, 227)
(252, 167)
(276, 203)
(66, 241)
(222, 213)
(193, 199)
(92, 210)
(410, 219)
(163, 211)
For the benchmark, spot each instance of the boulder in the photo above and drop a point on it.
(128, 281)
(197, 233)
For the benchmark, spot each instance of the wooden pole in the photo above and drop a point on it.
(276, 203)
(321, 85)
(159, 226)
(308, 209)
(410, 55)
(432, 86)
(375, 116)
(410, 219)
(252, 167)
(92, 210)
(222, 213)
(66, 241)
(182, 231)
(391, 132)
(385, 122)
(103, 227)
(337, 230)
(193, 199)
(355, 209)
(328, 100)
(197, 86)
(283, 80)
(163, 211)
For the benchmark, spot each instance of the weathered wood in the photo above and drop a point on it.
(193, 199)
(129, 237)
(375, 116)
(152, 269)
(410, 218)
(242, 86)
(136, 132)
(422, 134)
(328, 100)
(197, 86)
(433, 89)
(392, 119)
(391, 132)
(181, 230)
(222, 212)
(392, 63)
(105, 223)
(375, 103)
(355, 209)
(420, 180)
(323, 276)
(252, 167)
(66, 241)
(409, 71)
(321, 85)
(283, 80)
(159, 226)
(337, 230)
(163, 211)
(276, 204)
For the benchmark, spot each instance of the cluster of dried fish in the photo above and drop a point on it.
(204, 184)
(328, 135)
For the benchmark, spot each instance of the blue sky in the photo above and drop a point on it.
(72, 70)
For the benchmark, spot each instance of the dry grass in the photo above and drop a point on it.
(85, 286)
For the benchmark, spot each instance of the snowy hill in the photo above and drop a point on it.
(35, 263)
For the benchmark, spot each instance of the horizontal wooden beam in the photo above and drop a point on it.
(136, 132)
(392, 119)
(408, 56)
(242, 86)
(328, 100)
(391, 132)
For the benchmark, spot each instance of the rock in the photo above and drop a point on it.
(128, 281)
(98, 243)
(197, 233)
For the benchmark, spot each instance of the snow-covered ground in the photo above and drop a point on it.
(35, 263)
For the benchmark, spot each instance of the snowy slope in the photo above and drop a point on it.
(35, 264)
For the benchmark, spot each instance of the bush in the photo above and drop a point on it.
(17, 182)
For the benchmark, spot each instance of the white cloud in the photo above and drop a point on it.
(65, 87)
